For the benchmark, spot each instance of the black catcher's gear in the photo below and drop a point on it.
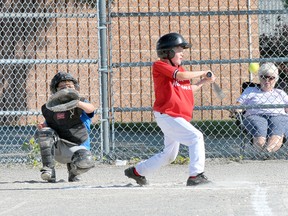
(63, 100)
(47, 137)
(82, 161)
(167, 42)
(68, 124)
(59, 77)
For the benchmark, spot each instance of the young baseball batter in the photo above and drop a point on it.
(173, 109)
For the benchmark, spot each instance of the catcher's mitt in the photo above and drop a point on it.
(63, 100)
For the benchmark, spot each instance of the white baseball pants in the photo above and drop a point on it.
(176, 130)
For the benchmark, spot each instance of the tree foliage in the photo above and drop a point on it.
(275, 45)
(285, 3)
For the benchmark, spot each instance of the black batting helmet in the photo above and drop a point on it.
(167, 42)
(59, 77)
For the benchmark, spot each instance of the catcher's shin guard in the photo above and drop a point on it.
(47, 137)
(82, 161)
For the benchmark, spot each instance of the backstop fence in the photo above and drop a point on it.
(109, 46)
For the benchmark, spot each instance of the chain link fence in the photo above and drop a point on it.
(110, 47)
(225, 36)
(38, 39)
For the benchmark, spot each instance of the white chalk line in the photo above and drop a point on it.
(260, 203)
(219, 185)
(175, 186)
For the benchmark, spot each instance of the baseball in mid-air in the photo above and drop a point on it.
(254, 67)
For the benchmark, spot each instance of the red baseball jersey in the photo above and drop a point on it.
(172, 97)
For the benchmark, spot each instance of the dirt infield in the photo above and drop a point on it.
(245, 188)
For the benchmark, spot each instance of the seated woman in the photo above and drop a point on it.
(265, 123)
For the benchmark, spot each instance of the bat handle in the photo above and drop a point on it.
(209, 74)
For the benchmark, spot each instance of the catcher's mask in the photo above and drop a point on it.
(59, 77)
(167, 42)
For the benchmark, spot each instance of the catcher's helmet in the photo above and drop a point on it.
(167, 42)
(59, 77)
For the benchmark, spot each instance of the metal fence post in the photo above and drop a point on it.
(103, 70)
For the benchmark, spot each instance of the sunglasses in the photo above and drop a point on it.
(270, 78)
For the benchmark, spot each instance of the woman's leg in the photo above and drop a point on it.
(277, 125)
(256, 127)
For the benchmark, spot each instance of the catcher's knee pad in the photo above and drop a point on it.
(47, 137)
(82, 161)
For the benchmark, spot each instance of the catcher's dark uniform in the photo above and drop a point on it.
(67, 124)
(71, 127)
(65, 137)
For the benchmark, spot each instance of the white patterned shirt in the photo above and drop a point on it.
(255, 96)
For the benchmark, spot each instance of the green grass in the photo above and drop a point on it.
(217, 128)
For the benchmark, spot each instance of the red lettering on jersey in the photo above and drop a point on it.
(60, 115)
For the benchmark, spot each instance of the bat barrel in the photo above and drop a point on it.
(209, 74)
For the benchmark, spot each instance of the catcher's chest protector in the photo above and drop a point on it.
(68, 124)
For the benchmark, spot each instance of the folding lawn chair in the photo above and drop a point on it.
(244, 137)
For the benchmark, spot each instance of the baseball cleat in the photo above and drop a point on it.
(48, 174)
(71, 176)
(199, 179)
(141, 180)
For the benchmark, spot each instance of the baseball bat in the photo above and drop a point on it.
(216, 88)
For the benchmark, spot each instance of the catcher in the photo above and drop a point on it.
(63, 136)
